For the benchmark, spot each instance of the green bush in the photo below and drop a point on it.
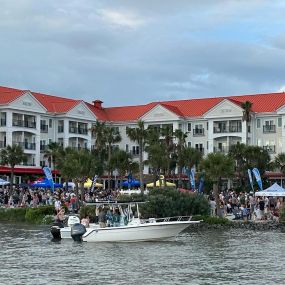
(36, 215)
(88, 210)
(212, 220)
(12, 214)
(282, 215)
(170, 202)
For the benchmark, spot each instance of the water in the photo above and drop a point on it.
(29, 256)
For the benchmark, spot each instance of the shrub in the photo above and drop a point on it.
(169, 203)
(13, 214)
(36, 215)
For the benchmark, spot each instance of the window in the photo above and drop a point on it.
(207, 144)
(207, 126)
(258, 123)
(127, 148)
(180, 126)
(189, 127)
(279, 122)
(189, 144)
(50, 123)
(135, 150)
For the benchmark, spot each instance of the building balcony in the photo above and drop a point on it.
(227, 129)
(23, 123)
(82, 131)
(198, 132)
(60, 129)
(73, 130)
(223, 149)
(201, 150)
(2, 144)
(25, 145)
(44, 128)
(2, 122)
(270, 148)
(269, 129)
(43, 148)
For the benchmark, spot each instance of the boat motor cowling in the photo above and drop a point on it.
(55, 229)
(77, 231)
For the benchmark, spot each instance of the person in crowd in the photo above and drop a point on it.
(261, 208)
(102, 218)
(85, 221)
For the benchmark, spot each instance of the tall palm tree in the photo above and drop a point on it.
(52, 152)
(12, 155)
(139, 135)
(279, 162)
(216, 167)
(247, 106)
(191, 157)
(98, 131)
(180, 146)
(238, 153)
(112, 137)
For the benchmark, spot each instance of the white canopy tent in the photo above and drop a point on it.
(3, 182)
(274, 190)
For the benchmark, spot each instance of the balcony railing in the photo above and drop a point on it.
(60, 129)
(43, 147)
(198, 132)
(227, 129)
(3, 122)
(25, 124)
(201, 150)
(73, 130)
(269, 128)
(44, 128)
(270, 148)
(2, 144)
(25, 145)
(82, 131)
(223, 149)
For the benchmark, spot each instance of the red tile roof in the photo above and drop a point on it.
(187, 108)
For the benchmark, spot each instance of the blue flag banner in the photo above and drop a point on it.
(257, 176)
(201, 184)
(130, 178)
(191, 175)
(193, 184)
(48, 175)
(250, 178)
(93, 184)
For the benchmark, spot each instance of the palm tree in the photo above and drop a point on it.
(247, 105)
(121, 160)
(279, 162)
(12, 155)
(52, 152)
(139, 135)
(112, 137)
(191, 157)
(98, 131)
(238, 153)
(216, 167)
(179, 148)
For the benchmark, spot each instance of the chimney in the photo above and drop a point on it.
(97, 104)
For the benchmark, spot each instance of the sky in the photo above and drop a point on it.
(134, 52)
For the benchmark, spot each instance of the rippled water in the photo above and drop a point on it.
(29, 256)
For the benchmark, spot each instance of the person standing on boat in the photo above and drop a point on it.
(102, 218)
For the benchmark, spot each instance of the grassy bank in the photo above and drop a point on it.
(40, 215)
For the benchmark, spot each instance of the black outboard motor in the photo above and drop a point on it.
(55, 229)
(77, 231)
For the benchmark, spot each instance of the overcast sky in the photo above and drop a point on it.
(138, 51)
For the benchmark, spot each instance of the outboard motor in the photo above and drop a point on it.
(55, 229)
(77, 231)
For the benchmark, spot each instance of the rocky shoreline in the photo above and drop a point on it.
(249, 225)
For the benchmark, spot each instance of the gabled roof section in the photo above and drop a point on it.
(8, 95)
(263, 103)
(56, 104)
(128, 113)
(99, 113)
(172, 109)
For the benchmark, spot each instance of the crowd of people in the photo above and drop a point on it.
(246, 206)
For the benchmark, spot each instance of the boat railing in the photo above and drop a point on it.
(167, 219)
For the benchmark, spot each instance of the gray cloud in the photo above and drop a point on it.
(134, 52)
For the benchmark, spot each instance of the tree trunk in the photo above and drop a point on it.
(216, 195)
(141, 168)
(82, 191)
(12, 180)
(109, 168)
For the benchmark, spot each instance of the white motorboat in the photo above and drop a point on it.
(135, 230)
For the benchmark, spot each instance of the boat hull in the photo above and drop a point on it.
(143, 232)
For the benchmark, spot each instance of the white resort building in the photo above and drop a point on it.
(33, 120)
